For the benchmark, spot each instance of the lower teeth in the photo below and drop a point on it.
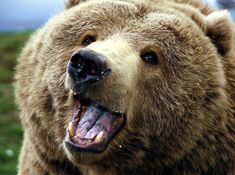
(98, 138)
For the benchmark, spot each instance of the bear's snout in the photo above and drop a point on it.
(87, 66)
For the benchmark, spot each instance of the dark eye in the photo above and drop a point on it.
(150, 57)
(88, 40)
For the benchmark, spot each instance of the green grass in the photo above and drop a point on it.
(10, 46)
(11, 133)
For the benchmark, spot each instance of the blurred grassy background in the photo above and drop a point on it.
(11, 133)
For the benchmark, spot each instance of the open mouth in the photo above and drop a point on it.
(93, 125)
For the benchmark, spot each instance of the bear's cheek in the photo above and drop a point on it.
(56, 95)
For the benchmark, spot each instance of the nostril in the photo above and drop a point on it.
(92, 69)
(76, 61)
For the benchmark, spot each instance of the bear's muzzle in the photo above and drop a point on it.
(87, 67)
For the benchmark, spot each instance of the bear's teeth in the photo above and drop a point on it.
(119, 112)
(98, 138)
(75, 93)
(71, 130)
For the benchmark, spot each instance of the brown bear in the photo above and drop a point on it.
(129, 87)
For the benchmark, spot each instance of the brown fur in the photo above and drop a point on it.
(180, 113)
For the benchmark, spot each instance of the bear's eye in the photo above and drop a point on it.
(150, 57)
(88, 40)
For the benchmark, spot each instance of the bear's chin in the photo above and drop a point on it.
(82, 157)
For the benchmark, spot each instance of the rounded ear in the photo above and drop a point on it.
(220, 29)
(71, 3)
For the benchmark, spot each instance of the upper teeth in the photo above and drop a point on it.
(119, 112)
(75, 93)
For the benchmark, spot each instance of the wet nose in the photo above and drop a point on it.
(86, 65)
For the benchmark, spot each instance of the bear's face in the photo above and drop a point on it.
(148, 92)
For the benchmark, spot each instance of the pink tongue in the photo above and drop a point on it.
(94, 121)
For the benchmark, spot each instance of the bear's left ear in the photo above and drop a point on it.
(220, 29)
(71, 3)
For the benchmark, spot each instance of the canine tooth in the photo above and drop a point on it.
(75, 93)
(71, 129)
(98, 138)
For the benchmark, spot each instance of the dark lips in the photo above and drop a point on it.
(93, 128)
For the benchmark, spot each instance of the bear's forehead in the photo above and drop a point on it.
(141, 25)
(123, 16)
(137, 22)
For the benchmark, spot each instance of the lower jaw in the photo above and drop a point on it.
(83, 158)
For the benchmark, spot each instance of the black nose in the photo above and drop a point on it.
(87, 66)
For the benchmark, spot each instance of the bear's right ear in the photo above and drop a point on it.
(71, 3)
(220, 29)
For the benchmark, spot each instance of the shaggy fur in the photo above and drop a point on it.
(180, 112)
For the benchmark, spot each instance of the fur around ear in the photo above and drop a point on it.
(219, 28)
(71, 3)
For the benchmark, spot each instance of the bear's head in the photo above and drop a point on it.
(132, 82)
